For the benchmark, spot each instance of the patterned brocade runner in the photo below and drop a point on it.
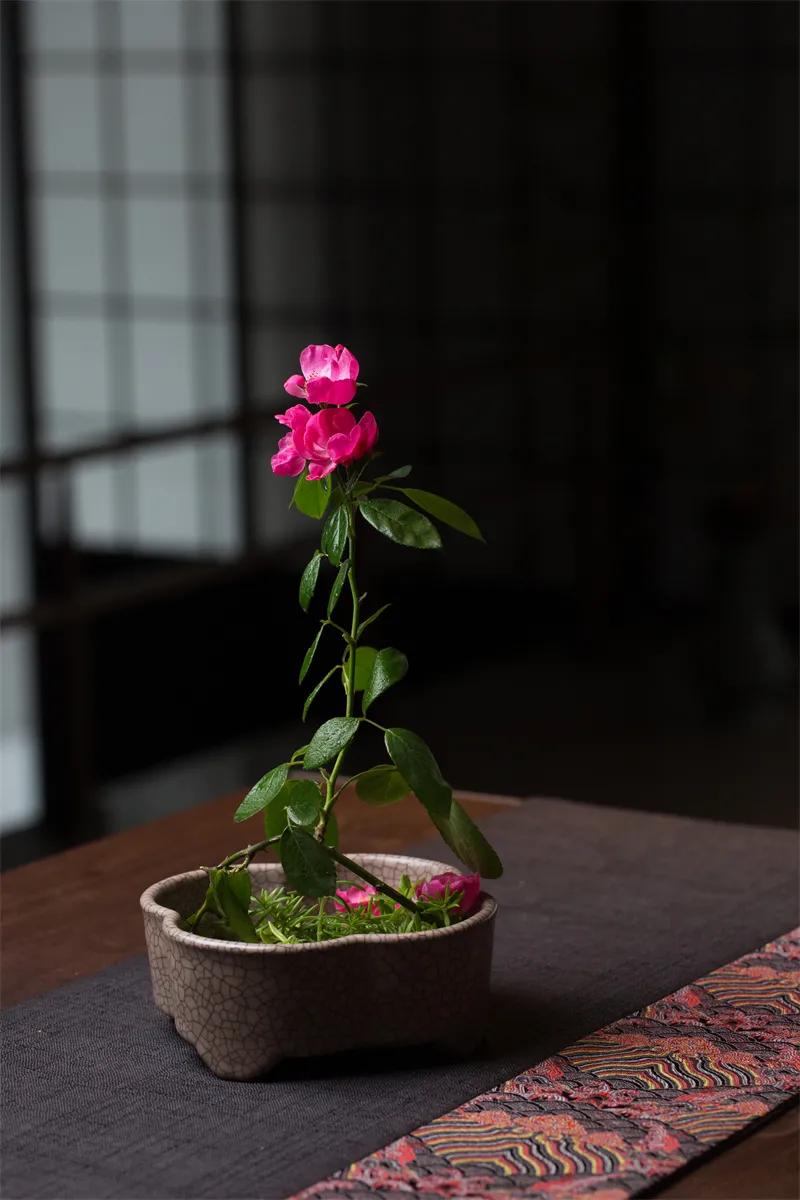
(618, 1111)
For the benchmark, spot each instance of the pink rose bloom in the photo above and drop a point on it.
(329, 376)
(287, 461)
(357, 896)
(435, 889)
(327, 439)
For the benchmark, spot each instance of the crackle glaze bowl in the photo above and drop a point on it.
(247, 1007)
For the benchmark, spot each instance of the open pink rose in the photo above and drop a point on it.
(287, 461)
(329, 376)
(357, 896)
(328, 439)
(435, 889)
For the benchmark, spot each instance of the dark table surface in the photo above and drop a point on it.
(62, 893)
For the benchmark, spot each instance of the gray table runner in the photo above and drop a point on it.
(602, 911)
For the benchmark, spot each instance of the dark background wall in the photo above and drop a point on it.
(562, 240)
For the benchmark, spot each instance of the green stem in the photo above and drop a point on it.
(247, 854)
(330, 792)
(379, 885)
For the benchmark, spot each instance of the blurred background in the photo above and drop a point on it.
(561, 238)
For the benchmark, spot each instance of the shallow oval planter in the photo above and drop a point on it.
(246, 1007)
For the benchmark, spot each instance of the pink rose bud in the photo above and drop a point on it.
(436, 888)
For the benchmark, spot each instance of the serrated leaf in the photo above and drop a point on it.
(369, 620)
(318, 688)
(365, 658)
(335, 535)
(310, 652)
(311, 496)
(399, 473)
(229, 894)
(444, 510)
(389, 667)
(308, 581)
(401, 524)
(304, 803)
(309, 868)
(338, 585)
(381, 786)
(261, 794)
(417, 765)
(329, 739)
(465, 839)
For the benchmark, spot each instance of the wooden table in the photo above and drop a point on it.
(60, 893)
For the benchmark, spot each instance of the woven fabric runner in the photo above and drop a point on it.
(618, 1110)
(601, 912)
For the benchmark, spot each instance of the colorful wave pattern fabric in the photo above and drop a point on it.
(619, 1110)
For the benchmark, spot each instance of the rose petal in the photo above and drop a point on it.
(296, 386)
(316, 360)
(329, 391)
(296, 417)
(318, 470)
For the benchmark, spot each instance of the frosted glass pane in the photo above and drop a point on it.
(66, 128)
(21, 803)
(216, 391)
(205, 25)
(212, 262)
(162, 372)
(167, 499)
(219, 471)
(61, 25)
(159, 247)
(70, 250)
(14, 556)
(75, 357)
(207, 152)
(95, 504)
(17, 710)
(155, 131)
(151, 24)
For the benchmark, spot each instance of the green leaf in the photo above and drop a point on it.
(381, 785)
(229, 894)
(332, 831)
(308, 581)
(369, 620)
(304, 803)
(308, 866)
(264, 791)
(311, 496)
(401, 524)
(338, 584)
(335, 535)
(445, 510)
(275, 818)
(416, 764)
(239, 883)
(365, 658)
(399, 473)
(310, 652)
(466, 840)
(320, 685)
(389, 667)
(329, 739)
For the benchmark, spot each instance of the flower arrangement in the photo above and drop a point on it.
(329, 452)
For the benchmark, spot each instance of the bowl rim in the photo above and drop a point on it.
(170, 918)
